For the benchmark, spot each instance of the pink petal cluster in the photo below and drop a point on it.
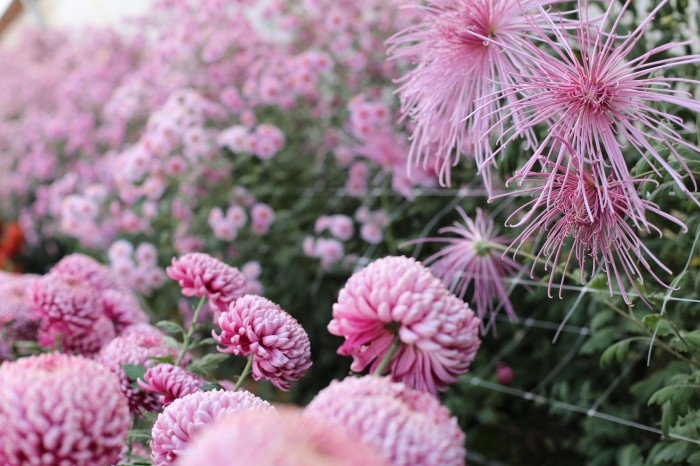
(396, 297)
(256, 327)
(284, 438)
(123, 309)
(17, 316)
(189, 415)
(170, 382)
(200, 275)
(80, 268)
(135, 348)
(408, 427)
(61, 410)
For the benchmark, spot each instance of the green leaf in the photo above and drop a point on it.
(694, 459)
(134, 371)
(211, 386)
(677, 394)
(208, 362)
(617, 352)
(170, 327)
(631, 455)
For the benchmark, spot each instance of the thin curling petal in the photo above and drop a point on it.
(202, 275)
(255, 326)
(59, 409)
(406, 426)
(397, 296)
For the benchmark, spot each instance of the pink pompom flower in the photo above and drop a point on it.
(84, 269)
(187, 416)
(257, 328)
(202, 275)
(170, 382)
(58, 409)
(395, 301)
(406, 426)
(284, 438)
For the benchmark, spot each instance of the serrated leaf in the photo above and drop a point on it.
(674, 453)
(631, 455)
(694, 459)
(208, 362)
(617, 352)
(677, 394)
(134, 371)
(170, 327)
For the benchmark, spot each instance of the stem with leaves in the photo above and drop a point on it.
(187, 340)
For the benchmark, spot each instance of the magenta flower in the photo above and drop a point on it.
(202, 275)
(602, 100)
(459, 72)
(85, 269)
(470, 257)
(284, 438)
(59, 409)
(170, 382)
(137, 349)
(396, 297)
(189, 415)
(87, 342)
(123, 309)
(406, 426)
(578, 228)
(256, 327)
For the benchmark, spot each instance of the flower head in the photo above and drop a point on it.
(396, 297)
(202, 275)
(16, 308)
(170, 382)
(84, 269)
(137, 349)
(256, 327)
(87, 342)
(408, 427)
(60, 409)
(470, 257)
(284, 438)
(187, 416)
(123, 309)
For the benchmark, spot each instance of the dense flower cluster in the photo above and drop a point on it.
(395, 300)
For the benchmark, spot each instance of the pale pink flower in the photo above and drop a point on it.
(84, 269)
(262, 217)
(85, 343)
(187, 416)
(396, 297)
(256, 327)
(202, 275)
(170, 382)
(59, 409)
(471, 258)
(341, 227)
(123, 308)
(406, 426)
(284, 438)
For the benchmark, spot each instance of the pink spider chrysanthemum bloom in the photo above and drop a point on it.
(458, 73)
(397, 304)
(201, 275)
(170, 382)
(187, 416)
(474, 255)
(58, 409)
(595, 95)
(256, 327)
(598, 238)
(284, 438)
(406, 426)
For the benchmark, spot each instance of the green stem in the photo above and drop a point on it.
(244, 374)
(395, 345)
(187, 340)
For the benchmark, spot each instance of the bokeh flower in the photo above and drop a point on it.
(85, 269)
(202, 275)
(187, 416)
(395, 300)
(256, 327)
(58, 409)
(284, 438)
(408, 427)
(170, 382)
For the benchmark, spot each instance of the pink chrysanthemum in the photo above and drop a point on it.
(475, 256)
(187, 416)
(202, 275)
(170, 382)
(16, 308)
(65, 305)
(396, 297)
(84, 269)
(408, 427)
(123, 308)
(458, 73)
(284, 438)
(85, 343)
(595, 95)
(136, 349)
(597, 235)
(254, 326)
(57, 409)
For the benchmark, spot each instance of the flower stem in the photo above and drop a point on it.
(395, 345)
(244, 374)
(188, 336)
